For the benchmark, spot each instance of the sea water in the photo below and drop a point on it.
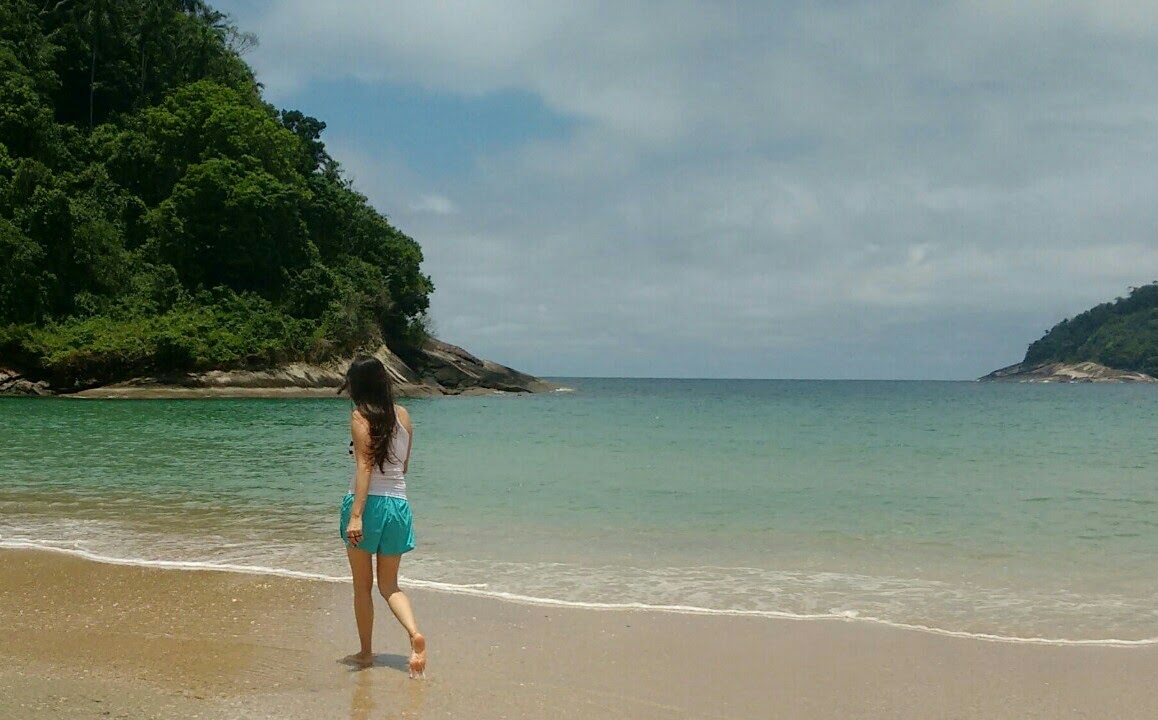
(1010, 511)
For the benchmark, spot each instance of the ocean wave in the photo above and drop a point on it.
(485, 591)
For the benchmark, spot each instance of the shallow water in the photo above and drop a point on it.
(1020, 511)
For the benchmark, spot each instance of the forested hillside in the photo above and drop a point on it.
(1121, 335)
(156, 215)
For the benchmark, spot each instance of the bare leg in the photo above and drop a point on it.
(362, 568)
(400, 606)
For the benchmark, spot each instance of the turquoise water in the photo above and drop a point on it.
(1018, 511)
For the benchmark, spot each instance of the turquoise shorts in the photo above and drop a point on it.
(387, 526)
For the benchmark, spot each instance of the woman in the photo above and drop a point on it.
(376, 516)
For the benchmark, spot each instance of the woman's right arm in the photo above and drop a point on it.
(364, 453)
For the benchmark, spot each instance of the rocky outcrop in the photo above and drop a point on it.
(13, 383)
(1083, 372)
(456, 371)
(444, 370)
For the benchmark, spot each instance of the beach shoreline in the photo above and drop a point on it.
(99, 640)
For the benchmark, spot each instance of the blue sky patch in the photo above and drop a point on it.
(438, 135)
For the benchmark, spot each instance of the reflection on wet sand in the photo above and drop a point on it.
(381, 694)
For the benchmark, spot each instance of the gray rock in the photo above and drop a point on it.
(1082, 372)
(13, 383)
(445, 370)
(458, 371)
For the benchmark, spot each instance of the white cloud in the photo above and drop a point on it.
(796, 179)
(435, 204)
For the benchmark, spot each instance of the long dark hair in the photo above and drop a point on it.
(373, 394)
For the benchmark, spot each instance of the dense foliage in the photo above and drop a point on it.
(1122, 335)
(156, 215)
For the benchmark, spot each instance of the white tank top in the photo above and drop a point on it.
(390, 479)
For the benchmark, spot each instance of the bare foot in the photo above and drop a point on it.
(364, 658)
(417, 656)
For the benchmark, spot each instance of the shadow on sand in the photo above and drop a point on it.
(390, 660)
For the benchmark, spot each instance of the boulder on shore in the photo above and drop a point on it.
(1081, 372)
(456, 371)
(13, 383)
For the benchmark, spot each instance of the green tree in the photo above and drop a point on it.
(1122, 335)
(25, 283)
(234, 224)
(156, 214)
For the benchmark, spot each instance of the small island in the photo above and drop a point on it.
(1113, 342)
(164, 229)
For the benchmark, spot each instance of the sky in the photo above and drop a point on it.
(825, 189)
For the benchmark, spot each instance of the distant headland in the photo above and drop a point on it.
(1112, 342)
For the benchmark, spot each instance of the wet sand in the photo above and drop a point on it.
(89, 640)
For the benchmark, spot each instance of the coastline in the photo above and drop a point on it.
(162, 391)
(1071, 372)
(95, 640)
(446, 370)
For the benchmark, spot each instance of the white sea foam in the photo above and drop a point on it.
(168, 564)
(483, 590)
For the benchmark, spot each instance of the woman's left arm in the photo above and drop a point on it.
(404, 420)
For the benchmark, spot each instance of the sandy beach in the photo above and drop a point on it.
(91, 640)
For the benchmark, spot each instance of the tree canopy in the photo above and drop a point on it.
(1122, 334)
(157, 215)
